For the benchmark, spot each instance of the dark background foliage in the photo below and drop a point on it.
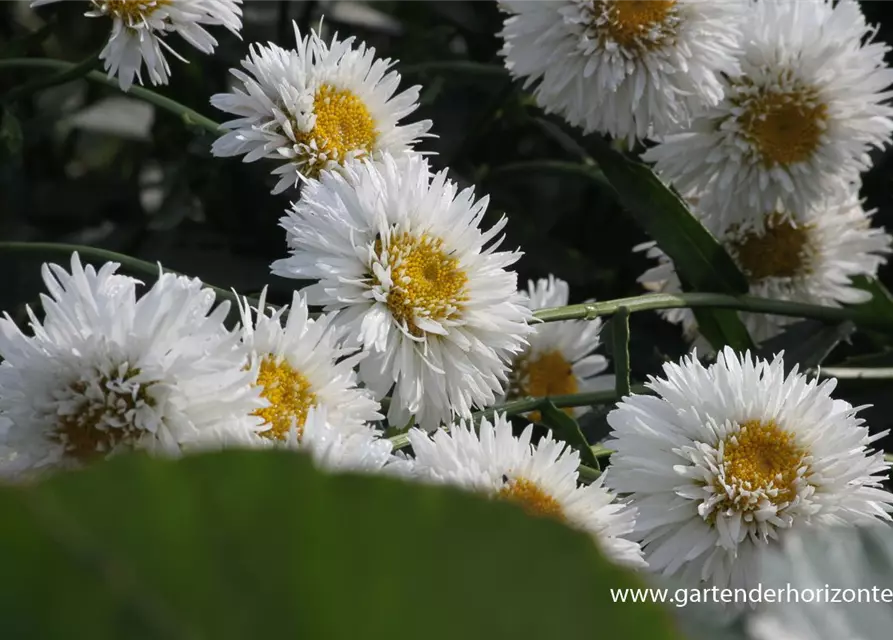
(151, 189)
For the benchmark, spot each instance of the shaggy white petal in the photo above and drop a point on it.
(541, 478)
(107, 372)
(316, 107)
(799, 120)
(812, 260)
(140, 29)
(560, 358)
(725, 460)
(301, 364)
(629, 69)
(420, 286)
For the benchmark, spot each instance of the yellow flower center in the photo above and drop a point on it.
(780, 250)
(130, 11)
(549, 374)
(100, 424)
(531, 498)
(761, 455)
(343, 126)
(427, 281)
(290, 396)
(637, 25)
(784, 128)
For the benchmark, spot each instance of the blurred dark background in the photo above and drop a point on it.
(84, 164)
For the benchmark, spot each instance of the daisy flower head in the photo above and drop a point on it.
(140, 27)
(541, 478)
(724, 460)
(316, 107)
(300, 365)
(811, 257)
(560, 357)
(628, 68)
(798, 121)
(338, 447)
(107, 372)
(422, 288)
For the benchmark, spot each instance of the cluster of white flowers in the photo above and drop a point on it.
(764, 112)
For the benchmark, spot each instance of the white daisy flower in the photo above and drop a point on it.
(316, 107)
(726, 459)
(540, 478)
(106, 372)
(339, 447)
(560, 358)
(423, 289)
(812, 260)
(798, 121)
(301, 366)
(139, 29)
(627, 68)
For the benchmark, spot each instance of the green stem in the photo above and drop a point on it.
(846, 373)
(620, 327)
(189, 116)
(531, 404)
(588, 474)
(654, 301)
(74, 72)
(131, 264)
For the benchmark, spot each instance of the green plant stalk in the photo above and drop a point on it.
(655, 301)
(189, 116)
(846, 373)
(531, 404)
(620, 327)
(132, 264)
(74, 72)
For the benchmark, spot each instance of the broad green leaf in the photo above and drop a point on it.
(701, 262)
(565, 428)
(807, 343)
(262, 545)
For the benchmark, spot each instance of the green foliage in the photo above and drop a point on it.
(566, 428)
(701, 262)
(262, 545)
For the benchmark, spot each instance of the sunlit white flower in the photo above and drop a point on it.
(726, 459)
(798, 121)
(300, 366)
(626, 68)
(560, 358)
(421, 286)
(140, 29)
(107, 372)
(336, 448)
(316, 107)
(813, 260)
(540, 478)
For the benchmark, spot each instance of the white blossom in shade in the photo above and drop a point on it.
(106, 372)
(811, 257)
(797, 123)
(421, 287)
(725, 460)
(140, 29)
(300, 365)
(560, 358)
(540, 478)
(627, 68)
(316, 107)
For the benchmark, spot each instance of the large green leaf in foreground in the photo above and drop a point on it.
(262, 545)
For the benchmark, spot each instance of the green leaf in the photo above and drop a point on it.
(701, 262)
(807, 343)
(566, 428)
(881, 303)
(262, 545)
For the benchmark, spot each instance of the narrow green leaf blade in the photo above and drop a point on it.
(807, 343)
(566, 428)
(701, 262)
